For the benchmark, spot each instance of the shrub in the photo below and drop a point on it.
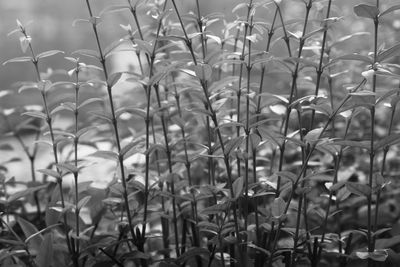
(264, 141)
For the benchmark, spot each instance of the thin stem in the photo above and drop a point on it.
(114, 124)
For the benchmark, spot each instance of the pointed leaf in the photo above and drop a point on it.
(278, 207)
(83, 202)
(105, 155)
(114, 78)
(69, 168)
(51, 173)
(237, 187)
(359, 189)
(45, 255)
(29, 230)
(390, 9)
(203, 71)
(25, 193)
(88, 53)
(49, 53)
(18, 59)
(233, 144)
(89, 101)
(366, 11)
(389, 53)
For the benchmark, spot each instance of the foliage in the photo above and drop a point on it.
(269, 143)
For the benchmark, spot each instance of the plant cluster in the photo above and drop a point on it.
(264, 141)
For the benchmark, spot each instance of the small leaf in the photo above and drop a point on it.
(25, 193)
(288, 175)
(356, 57)
(366, 11)
(313, 136)
(387, 242)
(389, 10)
(85, 130)
(49, 53)
(105, 155)
(351, 143)
(6, 147)
(389, 53)
(203, 71)
(25, 42)
(359, 189)
(201, 111)
(114, 78)
(51, 173)
(69, 168)
(192, 253)
(278, 207)
(18, 59)
(233, 144)
(90, 101)
(88, 53)
(45, 255)
(29, 230)
(215, 209)
(83, 202)
(237, 187)
(377, 255)
(387, 141)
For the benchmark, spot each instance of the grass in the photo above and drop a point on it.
(225, 170)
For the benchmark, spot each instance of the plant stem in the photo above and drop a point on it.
(114, 120)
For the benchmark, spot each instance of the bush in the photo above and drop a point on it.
(264, 141)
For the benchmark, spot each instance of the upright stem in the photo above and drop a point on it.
(114, 120)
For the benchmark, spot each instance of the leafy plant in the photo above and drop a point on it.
(263, 141)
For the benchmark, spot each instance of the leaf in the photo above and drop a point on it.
(18, 59)
(83, 202)
(85, 130)
(278, 207)
(237, 187)
(136, 111)
(203, 71)
(192, 253)
(366, 11)
(215, 209)
(351, 143)
(114, 78)
(45, 255)
(288, 175)
(359, 189)
(389, 53)
(233, 144)
(90, 101)
(6, 147)
(130, 146)
(105, 154)
(313, 136)
(29, 230)
(201, 111)
(49, 53)
(69, 168)
(387, 141)
(377, 255)
(88, 53)
(356, 57)
(25, 193)
(387, 242)
(51, 173)
(363, 99)
(389, 10)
